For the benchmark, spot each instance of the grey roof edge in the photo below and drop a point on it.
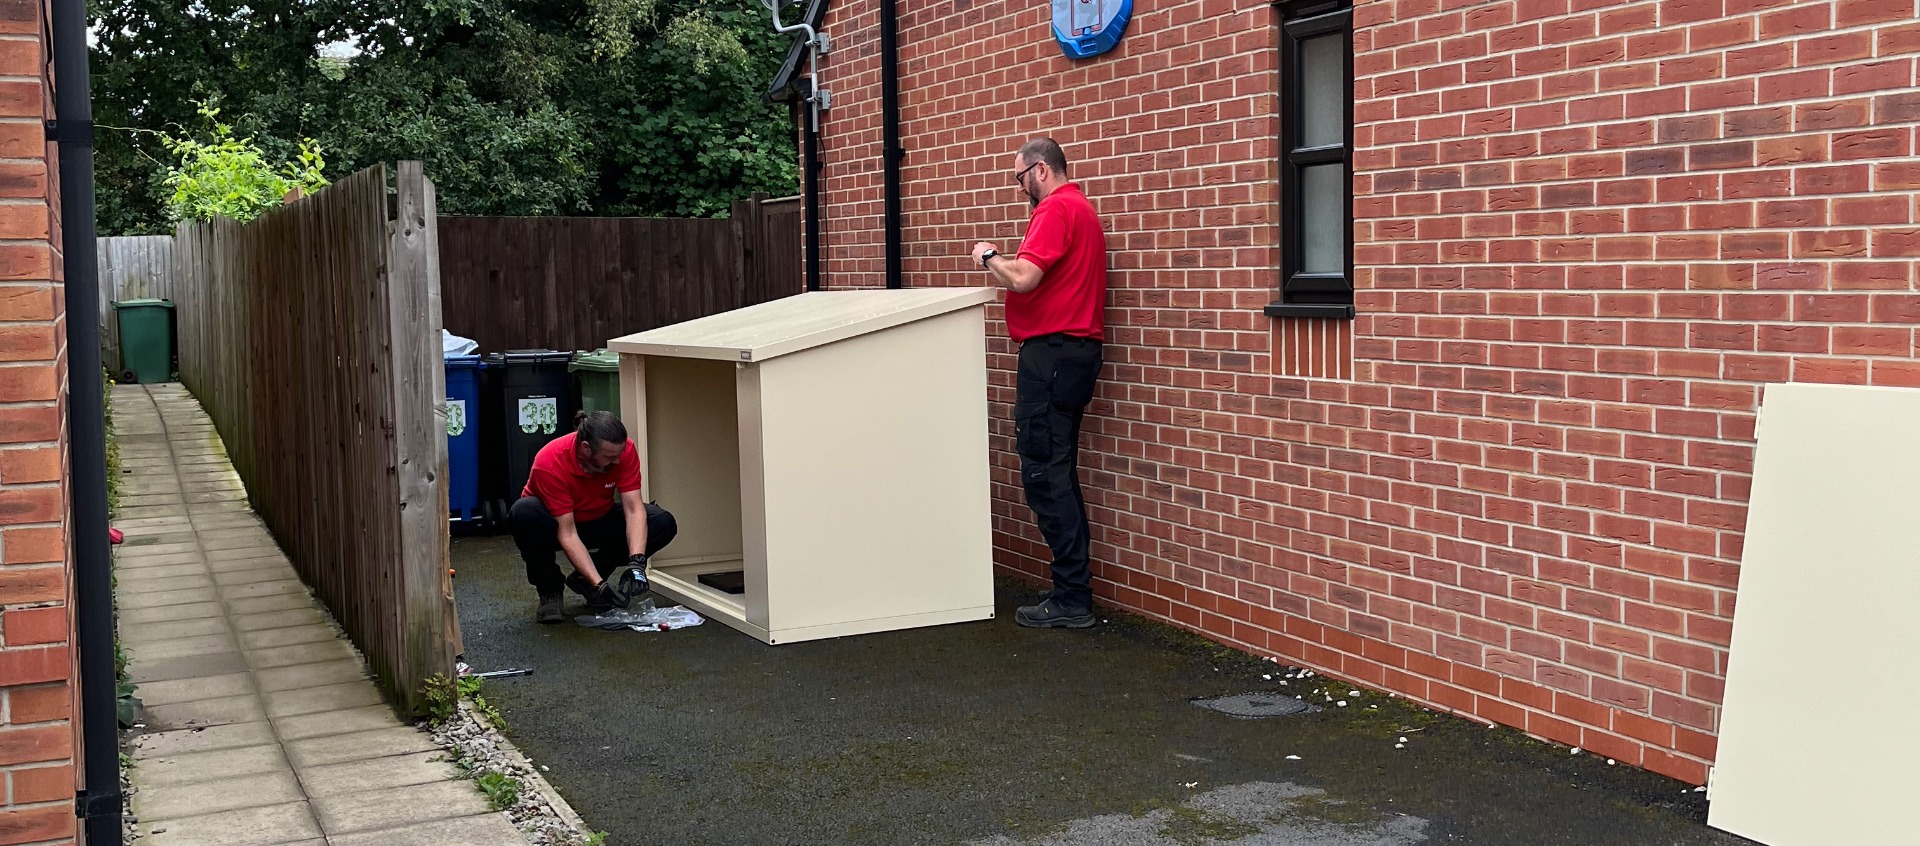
(786, 83)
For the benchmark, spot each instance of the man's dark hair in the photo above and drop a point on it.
(600, 427)
(1045, 150)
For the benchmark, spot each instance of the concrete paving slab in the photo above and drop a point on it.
(199, 580)
(139, 578)
(196, 689)
(301, 653)
(219, 541)
(154, 511)
(269, 603)
(222, 538)
(132, 635)
(283, 587)
(309, 675)
(240, 518)
(358, 746)
(310, 700)
(192, 666)
(138, 550)
(346, 813)
(200, 739)
(335, 721)
(228, 565)
(379, 774)
(206, 712)
(292, 822)
(291, 636)
(139, 533)
(137, 599)
(480, 830)
(194, 767)
(133, 562)
(169, 613)
(278, 619)
(215, 795)
(268, 571)
(151, 651)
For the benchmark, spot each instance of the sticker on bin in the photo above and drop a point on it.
(456, 417)
(539, 415)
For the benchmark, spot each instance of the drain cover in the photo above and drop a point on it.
(1255, 706)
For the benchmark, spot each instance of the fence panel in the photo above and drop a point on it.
(311, 336)
(132, 267)
(570, 283)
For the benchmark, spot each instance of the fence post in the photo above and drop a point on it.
(420, 419)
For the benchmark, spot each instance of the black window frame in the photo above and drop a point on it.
(1327, 295)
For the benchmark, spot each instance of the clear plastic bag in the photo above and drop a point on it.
(643, 617)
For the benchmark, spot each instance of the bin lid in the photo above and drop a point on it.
(535, 357)
(792, 324)
(463, 362)
(601, 360)
(143, 303)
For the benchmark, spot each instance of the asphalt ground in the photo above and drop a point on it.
(994, 734)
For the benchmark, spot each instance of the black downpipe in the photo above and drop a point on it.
(814, 168)
(98, 806)
(892, 154)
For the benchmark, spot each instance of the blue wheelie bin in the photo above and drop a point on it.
(463, 437)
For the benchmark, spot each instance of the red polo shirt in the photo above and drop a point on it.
(563, 486)
(1065, 241)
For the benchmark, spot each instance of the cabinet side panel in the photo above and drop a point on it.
(876, 475)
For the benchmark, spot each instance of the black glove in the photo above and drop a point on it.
(609, 594)
(633, 582)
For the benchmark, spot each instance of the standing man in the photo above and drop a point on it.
(1056, 312)
(569, 505)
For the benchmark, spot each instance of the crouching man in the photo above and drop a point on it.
(583, 498)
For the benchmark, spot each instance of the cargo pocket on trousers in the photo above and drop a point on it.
(1032, 435)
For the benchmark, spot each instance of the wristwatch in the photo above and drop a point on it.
(988, 256)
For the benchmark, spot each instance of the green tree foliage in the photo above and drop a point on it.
(530, 107)
(231, 177)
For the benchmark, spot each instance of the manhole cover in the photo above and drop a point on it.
(1255, 706)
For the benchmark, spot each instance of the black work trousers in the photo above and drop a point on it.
(1053, 387)
(538, 536)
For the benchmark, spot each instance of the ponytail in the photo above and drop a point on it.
(600, 427)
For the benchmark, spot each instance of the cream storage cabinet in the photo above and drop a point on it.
(826, 458)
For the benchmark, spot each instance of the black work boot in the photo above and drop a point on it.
(1050, 614)
(552, 609)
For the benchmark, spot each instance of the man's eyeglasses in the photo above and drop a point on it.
(1019, 178)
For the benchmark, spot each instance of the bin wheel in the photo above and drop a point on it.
(128, 377)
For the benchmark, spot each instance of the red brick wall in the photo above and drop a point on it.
(37, 729)
(1587, 234)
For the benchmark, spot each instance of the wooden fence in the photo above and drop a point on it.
(134, 267)
(312, 337)
(570, 283)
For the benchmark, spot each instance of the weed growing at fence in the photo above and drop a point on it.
(502, 790)
(113, 446)
(440, 699)
(126, 705)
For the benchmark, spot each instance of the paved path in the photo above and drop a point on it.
(261, 725)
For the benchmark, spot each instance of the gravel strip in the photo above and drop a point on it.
(541, 814)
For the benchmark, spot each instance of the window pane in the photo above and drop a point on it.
(1323, 219)
(1323, 90)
